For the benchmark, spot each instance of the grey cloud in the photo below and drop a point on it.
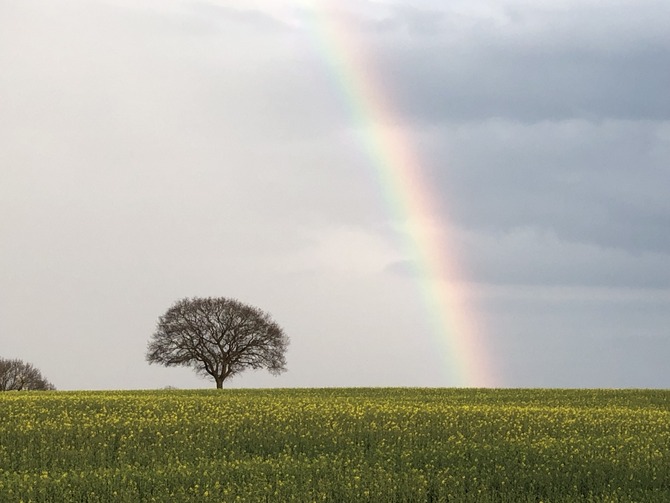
(233, 16)
(531, 257)
(551, 118)
(620, 362)
(600, 183)
(424, 21)
(580, 337)
(528, 257)
(460, 86)
(162, 149)
(549, 64)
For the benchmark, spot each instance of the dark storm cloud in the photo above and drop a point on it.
(530, 65)
(566, 203)
(528, 257)
(545, 128)
(524, 257)
(602, 183)
(502, 82)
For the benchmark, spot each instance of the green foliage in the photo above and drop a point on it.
(337, 445)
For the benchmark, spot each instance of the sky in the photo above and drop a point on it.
(156, 150)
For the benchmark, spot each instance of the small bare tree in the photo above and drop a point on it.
(219, 338)
(17, 375)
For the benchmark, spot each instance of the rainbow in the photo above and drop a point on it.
(398, 170)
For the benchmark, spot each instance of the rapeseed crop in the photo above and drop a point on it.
(336, 445)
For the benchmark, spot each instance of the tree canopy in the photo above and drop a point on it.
(17, 375)
(218, 338)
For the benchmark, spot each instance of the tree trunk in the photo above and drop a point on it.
(219, 382)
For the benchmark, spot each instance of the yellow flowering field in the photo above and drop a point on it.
(336, 445)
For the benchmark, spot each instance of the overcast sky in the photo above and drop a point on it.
(154, 150)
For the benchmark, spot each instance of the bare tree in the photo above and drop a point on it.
(17, 375)
(218, 337)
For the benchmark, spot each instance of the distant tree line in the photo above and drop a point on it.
(17, 375)
(217, 337)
